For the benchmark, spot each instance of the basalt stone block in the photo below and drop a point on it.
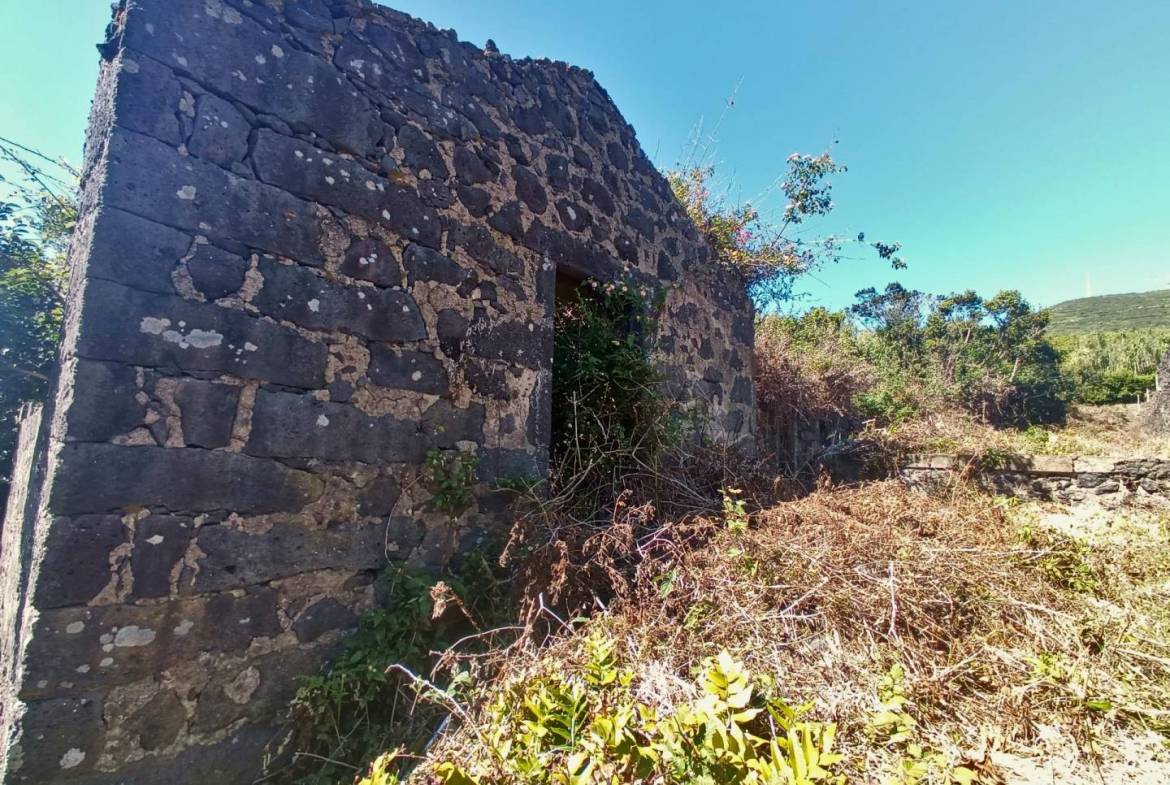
(308, 171)
(597, 195)
(507, 220)
(741, 391)
(424, 264)
(153, 330)
(523, 343)
(420, 153)
(583, 258)
(286, 425)
(61, 737)
(147, 178)
(148, 95)
(215, 272)
(76, 565)
(257, 688)
(76, 650)
(497, 464)
(451, 327)
(135, 252)
(104, 477)
(208, 412)
(407, 370)
(323, 616)
(104, 402)
(435, 193)
(220, 134)
(557, 171)
(480, 245)
(476, 200)
(574, 217)
(232, 558)
(233, 55)
(160, 542)
(470, 168)
(445, 425)
(529, 189)
(158, 723)
(372, 260)
(487, 379)
(239, 757)
(299, 295)
(379, 497)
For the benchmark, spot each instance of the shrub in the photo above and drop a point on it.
(587, 727)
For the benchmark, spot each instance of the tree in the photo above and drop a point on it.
(768, 255)
(36, 222)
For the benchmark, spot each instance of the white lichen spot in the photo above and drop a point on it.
(330, 180)
(182, 61)
(386, 214)
(260, 59)
(74, 627)
(250, 347)
(72, 758)
(132, 636)
(106, 638)
(327, 161)
(322, 420)
(277, 51)
(155, 540)
(129, 66)
(298, 154)
(187, 193)
(106, 662)
(314, 305)
(83, 669)
(150, 28)
(184, 627)
(371, 185)
(406, 309)
(153, 325)
(416, 376)
(572, 213)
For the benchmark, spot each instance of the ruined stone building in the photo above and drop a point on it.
(317, 240)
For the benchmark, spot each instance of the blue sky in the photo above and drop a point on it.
(1004, 144)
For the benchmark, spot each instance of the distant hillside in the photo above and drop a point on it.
(1137, 311)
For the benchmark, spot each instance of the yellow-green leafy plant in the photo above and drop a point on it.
(584, 726)
(734, 510)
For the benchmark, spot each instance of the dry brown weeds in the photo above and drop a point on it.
(825, 593)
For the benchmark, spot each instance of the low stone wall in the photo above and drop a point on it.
(1069, 479)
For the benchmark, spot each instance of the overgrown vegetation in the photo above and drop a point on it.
(37, 214)
(365, 702)
(772, 255)
(915, 639)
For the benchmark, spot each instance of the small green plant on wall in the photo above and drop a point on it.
(451, 477)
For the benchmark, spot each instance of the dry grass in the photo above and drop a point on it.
(1008, 630)
(1088, 430)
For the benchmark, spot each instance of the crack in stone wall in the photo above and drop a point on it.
(317, 239)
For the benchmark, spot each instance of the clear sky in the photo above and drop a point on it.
(1005, 144)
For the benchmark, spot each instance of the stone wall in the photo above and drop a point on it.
(1156, 411)
(317, 240)
(1067, 479)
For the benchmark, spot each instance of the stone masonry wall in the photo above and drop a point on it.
(1067, 479)
(317, 240)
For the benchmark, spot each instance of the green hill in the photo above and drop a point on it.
(1110, 312)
